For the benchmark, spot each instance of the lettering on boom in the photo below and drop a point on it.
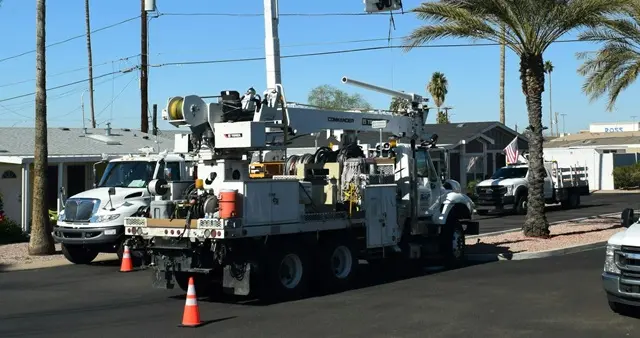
(340, 119)
(368, 121)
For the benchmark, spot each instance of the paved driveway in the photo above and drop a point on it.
(594, 204)
(556, 297)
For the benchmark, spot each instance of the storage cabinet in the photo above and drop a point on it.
(268, 202)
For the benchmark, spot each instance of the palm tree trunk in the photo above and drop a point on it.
(502, 66)
(532, 74)
(88, 25)
(550, 108)
(41, 242)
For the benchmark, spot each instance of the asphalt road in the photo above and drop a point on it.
(556, 297)
(592, 205)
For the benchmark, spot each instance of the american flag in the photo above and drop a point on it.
(511, 151)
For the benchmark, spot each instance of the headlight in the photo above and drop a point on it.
(610, 260)
(104, 218)
(510, 189)
(61, 216)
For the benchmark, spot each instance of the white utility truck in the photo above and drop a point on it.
(507, 189)
(92, 221)
(621, 273)
(275, 230)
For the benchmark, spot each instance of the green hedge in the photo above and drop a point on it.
(627, 177)
(11, 232)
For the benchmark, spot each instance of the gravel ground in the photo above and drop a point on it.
(563, 235)
(11, 254)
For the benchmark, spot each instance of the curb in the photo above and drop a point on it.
(501, 232)
(486, 258)
(616, 192)
(52, 263)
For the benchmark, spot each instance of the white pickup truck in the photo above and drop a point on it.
(507, 189)
(621, 273)
(93, 221)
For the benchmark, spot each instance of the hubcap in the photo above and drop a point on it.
(290, 271)
(341, 262)
(458, 244)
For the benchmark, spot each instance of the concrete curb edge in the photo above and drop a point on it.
(51, 264)
(485, 258)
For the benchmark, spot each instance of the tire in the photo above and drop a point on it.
(77, 254)
(521, 205)
(287, 273)
(337, 264)
(452, 245)
(204, 286)
(138, 257)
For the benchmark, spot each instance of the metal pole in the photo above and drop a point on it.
(272, 43)
(563, 124)
(144, 95)
(82, 105)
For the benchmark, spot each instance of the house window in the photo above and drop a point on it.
(474, 166)
(9, 174)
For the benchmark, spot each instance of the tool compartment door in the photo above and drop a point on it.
(381, 215)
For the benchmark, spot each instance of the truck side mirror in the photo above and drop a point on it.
(112, 191)
(627, 218)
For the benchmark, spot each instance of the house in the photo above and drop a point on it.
(72, 155)
(476, 148)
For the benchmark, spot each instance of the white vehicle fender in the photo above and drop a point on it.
(456, 203)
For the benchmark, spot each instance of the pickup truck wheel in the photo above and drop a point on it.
(453, 245)
(77, 254)
(287, 274)
(337, 264)
(521, 205)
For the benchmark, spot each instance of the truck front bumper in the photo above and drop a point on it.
(67, 234)
(491, 203)
(629, 295)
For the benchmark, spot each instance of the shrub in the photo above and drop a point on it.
(11, 232)
(627, 177)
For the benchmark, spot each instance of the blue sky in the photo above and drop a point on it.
(472, 72)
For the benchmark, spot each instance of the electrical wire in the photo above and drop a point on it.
(280, 14)
(71, 38)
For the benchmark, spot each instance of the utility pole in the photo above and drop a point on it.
(563, 125)
(144, 95)
(88, 27)
(557, 130)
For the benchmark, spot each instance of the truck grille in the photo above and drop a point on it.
(628, 260)
(80, 210)
(491, 192)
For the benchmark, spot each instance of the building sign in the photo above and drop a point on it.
(613, 130)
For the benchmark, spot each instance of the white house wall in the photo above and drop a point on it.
(11, 190)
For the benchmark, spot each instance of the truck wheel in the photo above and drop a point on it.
(337, 264)
(77, 254)
(521, 205)
(287, 274)
(453, 245)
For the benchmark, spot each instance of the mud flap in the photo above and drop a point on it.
(163, 279)
(236, 279)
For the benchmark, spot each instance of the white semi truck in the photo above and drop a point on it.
(303, 220)
(92, 221)
(508, 188)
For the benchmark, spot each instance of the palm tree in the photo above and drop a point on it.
(531, 26)
(40, 242)
(88, 27)
(502, 62)
(616, 64)
(548, 68)
(438, 88)
(398, 105)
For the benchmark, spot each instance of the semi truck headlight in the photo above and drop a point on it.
(104, 218)
(610, 260)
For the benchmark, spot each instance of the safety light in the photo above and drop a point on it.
(199, 183)
(393, 143)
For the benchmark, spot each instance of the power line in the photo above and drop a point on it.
(68, 84)
(70, 39)
(281, 14)
(342, 51)
(69, 71)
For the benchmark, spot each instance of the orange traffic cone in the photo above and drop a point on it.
(126, 265)
(191, 316)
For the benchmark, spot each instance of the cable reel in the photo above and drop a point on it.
(175, 108)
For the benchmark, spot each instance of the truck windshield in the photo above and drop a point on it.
(129, 174)
(510, 173)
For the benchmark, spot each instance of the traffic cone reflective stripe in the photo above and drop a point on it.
(126, 264)
(191, 316)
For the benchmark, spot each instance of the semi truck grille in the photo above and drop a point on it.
(80, 210)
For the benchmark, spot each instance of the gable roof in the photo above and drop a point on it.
(19, 142)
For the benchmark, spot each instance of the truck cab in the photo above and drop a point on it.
(621, 272)
(92, 221)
